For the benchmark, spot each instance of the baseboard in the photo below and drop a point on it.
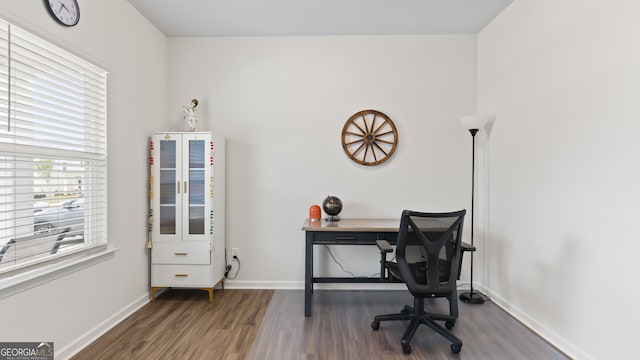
(554, 339)
(279, 285)
(299, 285)
(92, 335)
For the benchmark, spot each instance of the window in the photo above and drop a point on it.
(53, 153)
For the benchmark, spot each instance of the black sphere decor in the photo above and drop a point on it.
(332, 207)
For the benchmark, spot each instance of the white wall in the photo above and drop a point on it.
(563, 79)
(282, 102)
(558, 191)
(72, 309)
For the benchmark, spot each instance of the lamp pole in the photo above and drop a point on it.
(472, 297)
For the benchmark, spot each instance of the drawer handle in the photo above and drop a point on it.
(181, 275)
(180, 253)
(345, 237)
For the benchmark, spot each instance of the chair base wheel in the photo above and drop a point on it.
(450, 324)
(375, 325)
(455, 348)
(406, 349)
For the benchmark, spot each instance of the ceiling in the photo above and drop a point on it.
(196, 18)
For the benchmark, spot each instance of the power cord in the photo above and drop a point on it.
(226, 264)
(342, 267)
(226, 274)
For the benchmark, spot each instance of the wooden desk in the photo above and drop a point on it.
(354, 232)
(343, 232)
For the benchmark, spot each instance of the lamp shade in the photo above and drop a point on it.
(475, 121)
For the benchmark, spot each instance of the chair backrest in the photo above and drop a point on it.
(439, 237)
(31, 247)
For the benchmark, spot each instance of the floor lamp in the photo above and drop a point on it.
(473, 123)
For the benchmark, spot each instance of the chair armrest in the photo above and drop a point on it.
(465, 247)
(384, 246)
(468, 247)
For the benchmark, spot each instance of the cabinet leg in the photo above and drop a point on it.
(153, 293)
(210, 291)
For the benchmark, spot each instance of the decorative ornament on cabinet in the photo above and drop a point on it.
(190, 114)
(150, 212)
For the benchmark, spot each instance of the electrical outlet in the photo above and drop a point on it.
(235, 252)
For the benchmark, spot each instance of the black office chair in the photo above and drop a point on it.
(32, 246)
(428, 255)
(389, 272)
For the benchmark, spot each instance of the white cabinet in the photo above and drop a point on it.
(187, 216)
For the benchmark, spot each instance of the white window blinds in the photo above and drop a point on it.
(53, 152)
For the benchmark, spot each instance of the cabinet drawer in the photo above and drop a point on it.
(181, 276)
(181, 253)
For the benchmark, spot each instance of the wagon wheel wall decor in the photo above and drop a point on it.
(369, 137)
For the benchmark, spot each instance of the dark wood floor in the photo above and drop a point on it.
(181, 324)
(267, 324)
(340, 328)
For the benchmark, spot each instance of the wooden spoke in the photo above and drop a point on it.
(359, 148)
(379, 148)
(355, 141)
(366, 127)
(373, 122)
(372, 131)
(378, 128)
(373, 152)
(354, 134)
(359, 128)
(387, 133)
(385, 141)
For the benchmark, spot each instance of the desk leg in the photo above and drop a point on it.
(308, 274)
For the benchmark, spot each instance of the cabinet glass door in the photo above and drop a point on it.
(196, 186)
(168, 186)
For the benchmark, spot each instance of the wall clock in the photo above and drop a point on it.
(369, 137)
(65, 12)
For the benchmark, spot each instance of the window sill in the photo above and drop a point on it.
(27, 280)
